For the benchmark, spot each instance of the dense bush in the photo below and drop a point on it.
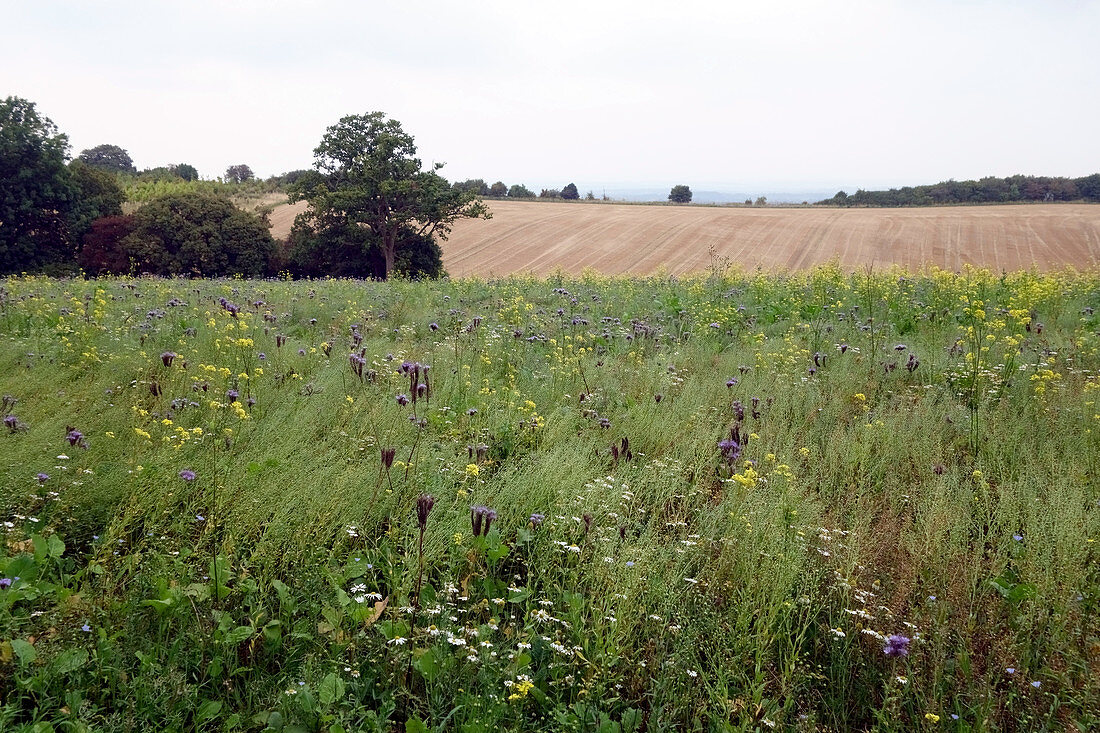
(185, 234)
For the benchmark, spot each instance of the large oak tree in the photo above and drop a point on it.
(367, 176)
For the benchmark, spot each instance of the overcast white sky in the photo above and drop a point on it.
(727, 95)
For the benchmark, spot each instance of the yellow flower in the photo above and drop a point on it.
(932, 717)
(472, 469)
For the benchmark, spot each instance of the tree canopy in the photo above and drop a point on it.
(108, 157)
(570, 192)
(238, 174)
(519, 191)
(189, 233)
(367, 177)
(680, 194)
(35, 190)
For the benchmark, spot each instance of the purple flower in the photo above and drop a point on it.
(187, 474)
(43, 478)
(729, 448)
(5, 583)
(232, 394)
(200, 518)
(85, 627)
(896, 646)
(731, 382)
(1018, 537)
(481, 518)
(402, 399)
(424, 504)
(1036, 684)
(74, 436)
(167, 357)
(433, 326)
(537, 519)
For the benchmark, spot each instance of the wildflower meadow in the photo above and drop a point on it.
(814, 501)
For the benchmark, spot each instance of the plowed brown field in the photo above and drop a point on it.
(631, 239)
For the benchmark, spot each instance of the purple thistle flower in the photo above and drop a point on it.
(187, 474)
(896, 646)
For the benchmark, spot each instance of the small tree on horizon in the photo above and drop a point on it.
(680, 194)
(109, 158)
(519, 191)
(570, 193)
(238, 174)
(498, 189)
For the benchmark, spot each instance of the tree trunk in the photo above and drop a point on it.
(389, 251)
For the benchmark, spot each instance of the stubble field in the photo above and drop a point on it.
(540, 237)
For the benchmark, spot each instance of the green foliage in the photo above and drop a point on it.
(990, 189)
(569, 193)
(473, 186)
(367, 176)
(186, 171)
(197, 234)
(109, 158)
(671, 582)
(36, 193)
(97, 194)
(519, 191)
(498, 190)
(238, 174)
(549, 193)
(680, 194)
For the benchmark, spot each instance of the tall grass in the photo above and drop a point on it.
(917, 456)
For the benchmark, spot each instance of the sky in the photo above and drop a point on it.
(728, 95)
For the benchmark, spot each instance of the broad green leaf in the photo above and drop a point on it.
(332, 689)
(239, 634)
(24, 650)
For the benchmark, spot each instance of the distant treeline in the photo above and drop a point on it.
(989, 190)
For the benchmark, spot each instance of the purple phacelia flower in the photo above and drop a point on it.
(896, 646)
